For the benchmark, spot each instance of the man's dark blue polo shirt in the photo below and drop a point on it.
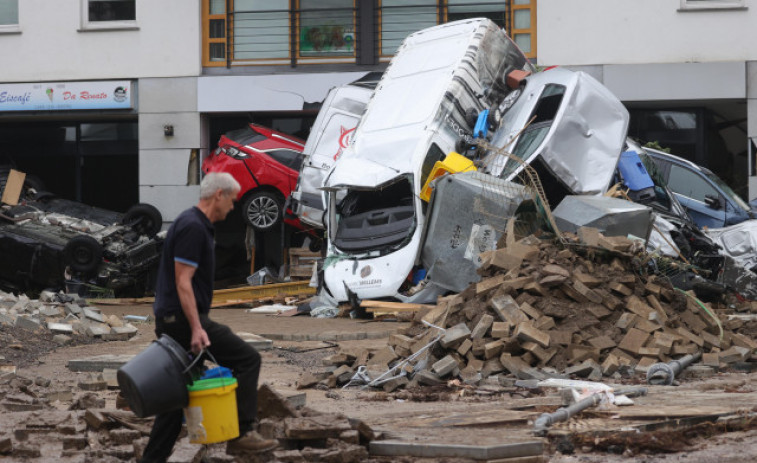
(190, 241)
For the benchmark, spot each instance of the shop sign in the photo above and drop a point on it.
(66, 96)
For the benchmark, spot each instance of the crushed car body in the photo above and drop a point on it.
(51, 242)
(567, 126)
(419, 112)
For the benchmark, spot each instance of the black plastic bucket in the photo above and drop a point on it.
(155, 380)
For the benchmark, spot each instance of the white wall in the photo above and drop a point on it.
(581, 32)
(52, 47)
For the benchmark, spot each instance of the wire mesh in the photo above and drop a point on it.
(528, 178)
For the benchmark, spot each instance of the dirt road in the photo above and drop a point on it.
(493, 415)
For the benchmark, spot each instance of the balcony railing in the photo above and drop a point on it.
(364, 34)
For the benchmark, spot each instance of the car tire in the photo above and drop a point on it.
(315, 244)
(145, 219)
(471, 117)
(83, 254)
(263, 210)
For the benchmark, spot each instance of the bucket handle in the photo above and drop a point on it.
(198, 357)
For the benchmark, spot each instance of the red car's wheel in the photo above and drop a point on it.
(263, 210)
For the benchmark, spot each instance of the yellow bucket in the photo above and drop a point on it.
(453, 163)
(211, 415)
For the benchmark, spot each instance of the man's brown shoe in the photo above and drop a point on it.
(252, 442)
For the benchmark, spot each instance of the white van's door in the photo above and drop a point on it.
(330, 135)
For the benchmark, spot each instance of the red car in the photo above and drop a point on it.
(266, 163)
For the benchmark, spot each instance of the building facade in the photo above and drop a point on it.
(112, 102)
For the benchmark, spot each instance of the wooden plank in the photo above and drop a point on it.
(13, 186)
(475, 452)
(121, 301)
(252, 293)
(398, 306)
(481, 418)
(666, 411)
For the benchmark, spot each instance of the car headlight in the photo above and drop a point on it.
(235, 153)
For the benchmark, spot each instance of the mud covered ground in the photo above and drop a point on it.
(427, 415)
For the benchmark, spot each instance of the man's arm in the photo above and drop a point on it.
(184, 275)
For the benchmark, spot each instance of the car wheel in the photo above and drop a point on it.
(83, 254)
(145, 219)
(263, 210)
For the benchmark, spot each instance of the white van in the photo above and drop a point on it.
(330, 135)
(419, 112)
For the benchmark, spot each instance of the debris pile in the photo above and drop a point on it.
(43, 421)
(584, 309)
(62, 315)
(308, 435)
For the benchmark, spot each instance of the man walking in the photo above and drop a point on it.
(182, 302)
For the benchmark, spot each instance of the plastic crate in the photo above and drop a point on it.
(453, 163)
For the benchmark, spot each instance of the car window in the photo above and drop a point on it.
(541, 120)
(688, 183)
(289, 158)
(728, 191)
(244, 136)
(434, 154)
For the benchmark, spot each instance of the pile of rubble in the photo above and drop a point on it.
(583, 308)
(43, 422)
(63, 315)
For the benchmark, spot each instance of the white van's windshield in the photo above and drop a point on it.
(380, 219)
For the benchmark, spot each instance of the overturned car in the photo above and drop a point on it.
(52, 243)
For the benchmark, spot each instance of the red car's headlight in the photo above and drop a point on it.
(234, 152)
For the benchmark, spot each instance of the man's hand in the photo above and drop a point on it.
(199, 340)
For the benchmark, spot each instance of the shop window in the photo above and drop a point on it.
(694, 5)
(327, 28)
(109, 14)
(400, 18)
(8, 15)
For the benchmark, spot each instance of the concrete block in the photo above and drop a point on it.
(93, 315)
(444, 366)
(734, 354)
(455, 334)
(50, 311)
(483, 325)
(633, 340)
(27, 323)
(61, 328)
(72, 308)
(465, 347)
(500, 330)
(428, 378)
(493, 349)
(602, 342)
(688, 335)
(95, 330)
(508, 310)
(527, 332)
(395, 383)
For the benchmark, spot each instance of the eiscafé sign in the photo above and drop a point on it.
(64, 96)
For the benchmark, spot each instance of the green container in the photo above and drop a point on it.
(211, 383)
